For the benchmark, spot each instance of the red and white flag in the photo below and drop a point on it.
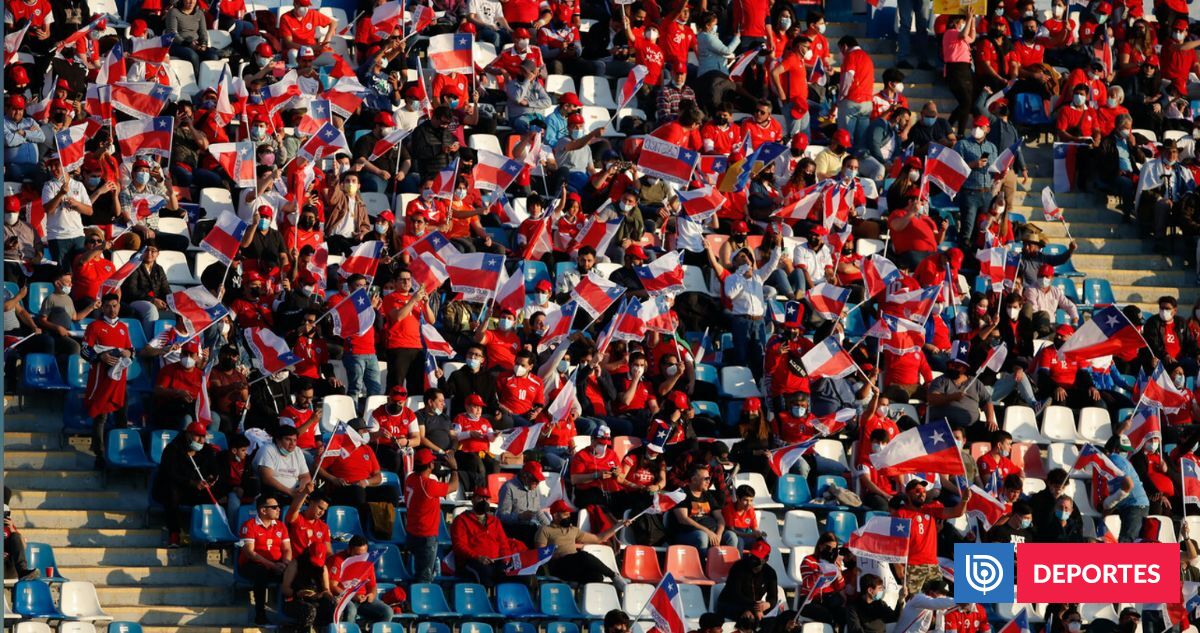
(914, 305)
(476, 275)
(828, 300)
(526, 563)
(443, 185)
(882, 538)
(1107, 332)
(664, 502)
(495, 172)
(280, 93)
(145, 136)
(663, 274)
(1144, 424)
(223, 113)
(420, 17)
(112, 68)
(1189, 468)
(270, 351)
(802, 208)
(70, 143)
(558, 325)
(832, 424)
(633, 83)
(928, 448)
(225, 237)
(668, 161)
(386, 18)
(1161, 391)
(666, 606)
(827, 359)
(318, 114)
(434, 343)
(452, 53)
(902, 336)
(511, 293)
(782, 459)
(995, 358)
(739, 65)
(428, 272)
(1051, 212)
(119, 276)
(434, 243)
(363, 260)
(878, 273)
(324, 143)
(539, 244)
(151, 49)
(197, 307)
(345, 96)
(203, 405)
(596, 294)
(1091, 457)
(139, 99)
(385, 144)
(12, 43)
(353, 315)
(946, 169)
(597, 233)
(701, 204)
(519, 439)
(985, 507)
(237, 159)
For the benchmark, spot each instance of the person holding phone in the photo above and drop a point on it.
(976, 193)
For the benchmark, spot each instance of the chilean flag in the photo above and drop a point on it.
(914, 305)
(145, 136)
(1161, 391)
(139, 99)
(558, 325)
(237, 159)
(946, 169)
(633, 83)
(345, 96)
(662, 274)
(353, 315)
(223, 241)
(701, 204)
(1019, 624)
(712, 166)
(475, 274)
(452, 53)
(832, 424)
(519, 439)
(70, 143)
(203, 405)
(494, 171)
(421, 16)
(1091, 457)
(428, 272)
(883, 539)
(802, 208)
(280, 93)
(434, 243)
(112, 69)
(1189, 468)
(878, 273)
(928, 448)
(985, 507)
(666, 606)
(740, 64)
(324, 143)
(994, 266)
(667, 161)
(511, 293)
(663, 502)
(1066, 169)
(818, 75)
(657, 315)
(596, 294)
(526, 563)
(782, 459)
(828, 300)
(385, 144)
(1107, 332)
(271, 352)
(197, 307)
(12, 43)
(1144, 424)
(434, 343)
(597, 233)
(319, 113)
(1005, 160)
(628, 324)
(224, 110)
(1051, 212)
(151, 49)
(119, 276)
(443, 185)
(97, 101)
(363, 260)
(827, 359)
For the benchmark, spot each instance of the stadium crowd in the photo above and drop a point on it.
(627, 250)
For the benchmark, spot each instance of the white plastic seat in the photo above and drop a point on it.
(800, 528)
(795, 558)
(210, 71)
(1079, 494)
(738, 382)
(831, 457)
(29, 627)
(175, 265)
(174, 226)
(769, 524)
(560, 84)
(334, 409)
(203, 260)
(693, 601)
(218, 39)
(762, 494)
(595, 117)
(185, 76)
(1150, 136)
(599, 598)
(1032, 485)
(1063, 455)
(76, 627)
(605, 554)
(120, 257)
(775, 560)
(1091, 611)
(867, 247)
(1058, 424)
(376, 202)
(374, 402)
(486, 142)
(80, 602)
(1095, 425)
(596, 91)
(637, 594)
(485, 53)
(1021, 423)
(901, 409)
(215, 201)
(9, 614)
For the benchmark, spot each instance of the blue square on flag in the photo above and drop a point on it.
(984, 572)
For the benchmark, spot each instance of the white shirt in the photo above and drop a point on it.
(746, 294)
(345, 227)
(287, 470)
(814, 261)
(923, 613)
(485, 10)
(66, 223)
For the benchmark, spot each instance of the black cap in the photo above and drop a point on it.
(711, 621)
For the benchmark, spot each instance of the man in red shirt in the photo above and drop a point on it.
(857, 89)
(1061, 379)
(915, 235)
(480, 544)
(298, 28)
(107, 347)
(635, 401)
(1076, 123)
(475, 434)
(719, 135)
(922, 564)
(678, 38)
(358, 352)
(394, 431)
(1179, 56)
(265, 551)
(403, 311)
(761, 126)
(595, 472)
(305, 522)
(423, 494)
(967, 618)
(502, 343)
(354, 476)
(177, 387)
(300, 414)
(752, 20)
(790, 79)
(997, 460)
(521, 394)
(349, 566)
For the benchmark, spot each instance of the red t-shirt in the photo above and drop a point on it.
(989, 463)
(268, 540)
(795, 83)
(1062, 370)
(313, 353)
(922, 541)
(742, 520)
(502, 347)
(750, 17)
(404, 333)
(174, 376)
(103, 394)
(919, 235)
(454, 84)
(722, 140)
(518, 394)
(862, 85)
(641, 397)
(770, 132)
(650, 55)
(676, 40)
(794, 429)
(90, 276)
(1171, 339)
(396, 426)
(1080, 122)
(360, 464)
(305, 533)
(423, 496)
(293, 416)
(974, 622)
(303, 30)
(1176, 64)
(906, 369)
(868, 427)
(586, 461)
(466, 425)
(523, 11)
(783, 379)
(1026, 54)
(36, 13)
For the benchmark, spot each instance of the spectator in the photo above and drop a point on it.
(307, 594)
(1044, 300)
(856, 89)
(741, 518)
(394, 431)
(751, 587)
(65, 202)
(364, 607)
(976, 192)
(867, 612)
(570, 562)
(1168, 336)
(959, 399)
(423, 494)
(956, 53)
(15, 564)
(1128, 500)
(480, 543)
(281, 467)
(177, 387)
(305, 521)
(106, 345)
(921, 567)
(697, 520)
(185, 477)
(1060, 379)
(923, 609)
(1018, 527)
(264, 552)
(520, 503)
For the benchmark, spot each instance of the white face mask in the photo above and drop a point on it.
(913, 175)
(881, 412)
(1111, 102)
(1179, 35)
(520, 370)
(188, 362)
(505, 324)
(1058, 10)
(808, 54)
(1013, 313)
(1045, 281)
(522, 44)
(1166, 315)
(599, 450)
(11, 218)
(672, 370)
(979, 133)
(542, 297)
(899, 89)
(1179, 381)
(301, 12)
(1079, 99)
(821, 28)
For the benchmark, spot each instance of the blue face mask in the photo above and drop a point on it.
(454, 104)
(264, 224)
(1025, 523)
(141, 178)
(799, 411)
(92, 181)
(1062, 515)
(928, 120)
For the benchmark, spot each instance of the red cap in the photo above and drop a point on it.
(16, 101)
(398, 394)
(800, 142)
(265, 211)
(760, 550)
(679, 68)
(913, 163)
(253, 276)
(138, 28)
(12, 204)
(842, 137)
(306, 52)
(18, 75)
(141, 163)
(385, 119)
(560, 507)
(197, 428)
(635, 251)
(259, 118)
(101, 24)
(544, 284)
(521, 33)
(575, 119)
(467, 27)
(264, 49)
(423, 457)
(474, 400)
(752, 405)
(955, 255)
(1103, 8)
(1065, 330)
(679, 399)
(481, 493)
(415, 91)
(570, 98)
(1181, 24)
(387, 216)
(818, 230)
(507, 312)
(982, 121)
(62, 85)
(60, 104)
(1045, 270)
(534, 469)
(91, 163)
(303, 3)
(739, 226)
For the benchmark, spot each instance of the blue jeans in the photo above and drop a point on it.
(488, 36)
(555, 457)
(854, 117)
(970, 203)
(1007, 383)
(907, 10)
(793, 126)
(360, 369)
(1131, 521)
(61, 250)
(370, 612)
(699, 539)
(193, 56)
(749, 336)
(425, 559)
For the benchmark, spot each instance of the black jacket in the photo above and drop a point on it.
(749, 580)
(143, 285)
(177, 471)
(464, 382)
(429, 148)
(1154, 331)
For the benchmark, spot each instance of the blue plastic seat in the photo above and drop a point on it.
(842, 524)
(77, 373)
(161, 326)
(855, 326)
(137, 379)
(392, 480)
(125, 450)
(1018, 218)
(1068, 288)
(535, 271)
(38, 291)
(158, 441)
(562, 627)
(471, 600)
(500, 234)
(245, 513)
(1098, 293)
(387, 627)
(427, 600)
(519, 627)
(704, 407)
(563, 268)
(32, 599)
(793, 491)
(1066, 269)
(823, 482)
(390, 567)
(870, 514)
(476, 627)
(40, 556)
(1061, 317)
(210, 525)
(433, 627)
(124, 627)
(399, 532)
(75, 421)
(218, 439)
(1030, 109)
(513, 601)
(343, 627)
(558, 601)
(707, 373)
(596, 626)
(343, 520)
(137, 333)
(41, 373)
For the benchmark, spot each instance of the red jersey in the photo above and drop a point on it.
(922, 540)
(769, 132)
(314, 354)
(518, 394)
(342, 570)
(502, 347)
(296, 417)
(435, 210)
(359, 465)
(356, 345)
(750, 17)
(252, 313)
(1023, 54)
(740, 519)
(464, 426)
(882, 103)
(103, 393)
(454, 84)
(1062, 370)
(792, 429)
(521, 11)
(862, 83)
(267, 539)
(585, 462)
(174, 376)
(90, 276)
(795, 83)
(818, 45)
(303, 30)
(423, 496)
(650, 55)
(1171, 339)
(723, 140)
(676, 40)
(1077, 121)
(36, 12)
(989, 463)
(305, 534)
(403, 333)
(392, 427)
(906, 369)
(1176, 64)
(973, 621)
(641, 397)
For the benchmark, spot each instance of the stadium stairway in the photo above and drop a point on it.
(101, 533)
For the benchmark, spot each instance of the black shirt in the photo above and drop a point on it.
(265, 247)
(1004, 533)
(701, 508)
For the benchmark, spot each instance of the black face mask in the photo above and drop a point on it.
(480, 507)
(1028, 36)
(225, 364)
(307, 223)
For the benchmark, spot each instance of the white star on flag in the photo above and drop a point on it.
(938, 438)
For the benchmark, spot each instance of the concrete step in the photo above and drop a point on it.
(72, 480)
(202, 629)
(96, 537)
(27, 440)
(148, 555)
(79, 518)
(1109, 245)
(1142, 263)
(189, 595)
(1149, 295)
(238, 617)
(158, 576)
(68, 459)
(44, 420)
(1057, 232)
(126, 499)
(1174, 280)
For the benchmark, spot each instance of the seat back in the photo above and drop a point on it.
(209, 525)
(475, 627)
(562, 627)
(495, 482)
(389, 567)
(683, 562)
(125, 449)
(335, 409)
(343, 627)
(40, 556)
(558, 600)
(514, 599)
(720, 559)
(471, 599)
(387, 627)
(800, 528)
(599, 598)
(519, 627)
(427, 598)
(793, 490)
(636, 596)
(41, 372)
(79, 600)
(1098, 292)
(1058, 424)
(124, 627)
(158, 441)
(842, 524)
(433, 627)
(641, 564)
(32, 627)
(76, 627)
(343, 520)
(32, 598)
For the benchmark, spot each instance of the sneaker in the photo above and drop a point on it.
(28, 574)
(1038, 407)
(173, 541)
